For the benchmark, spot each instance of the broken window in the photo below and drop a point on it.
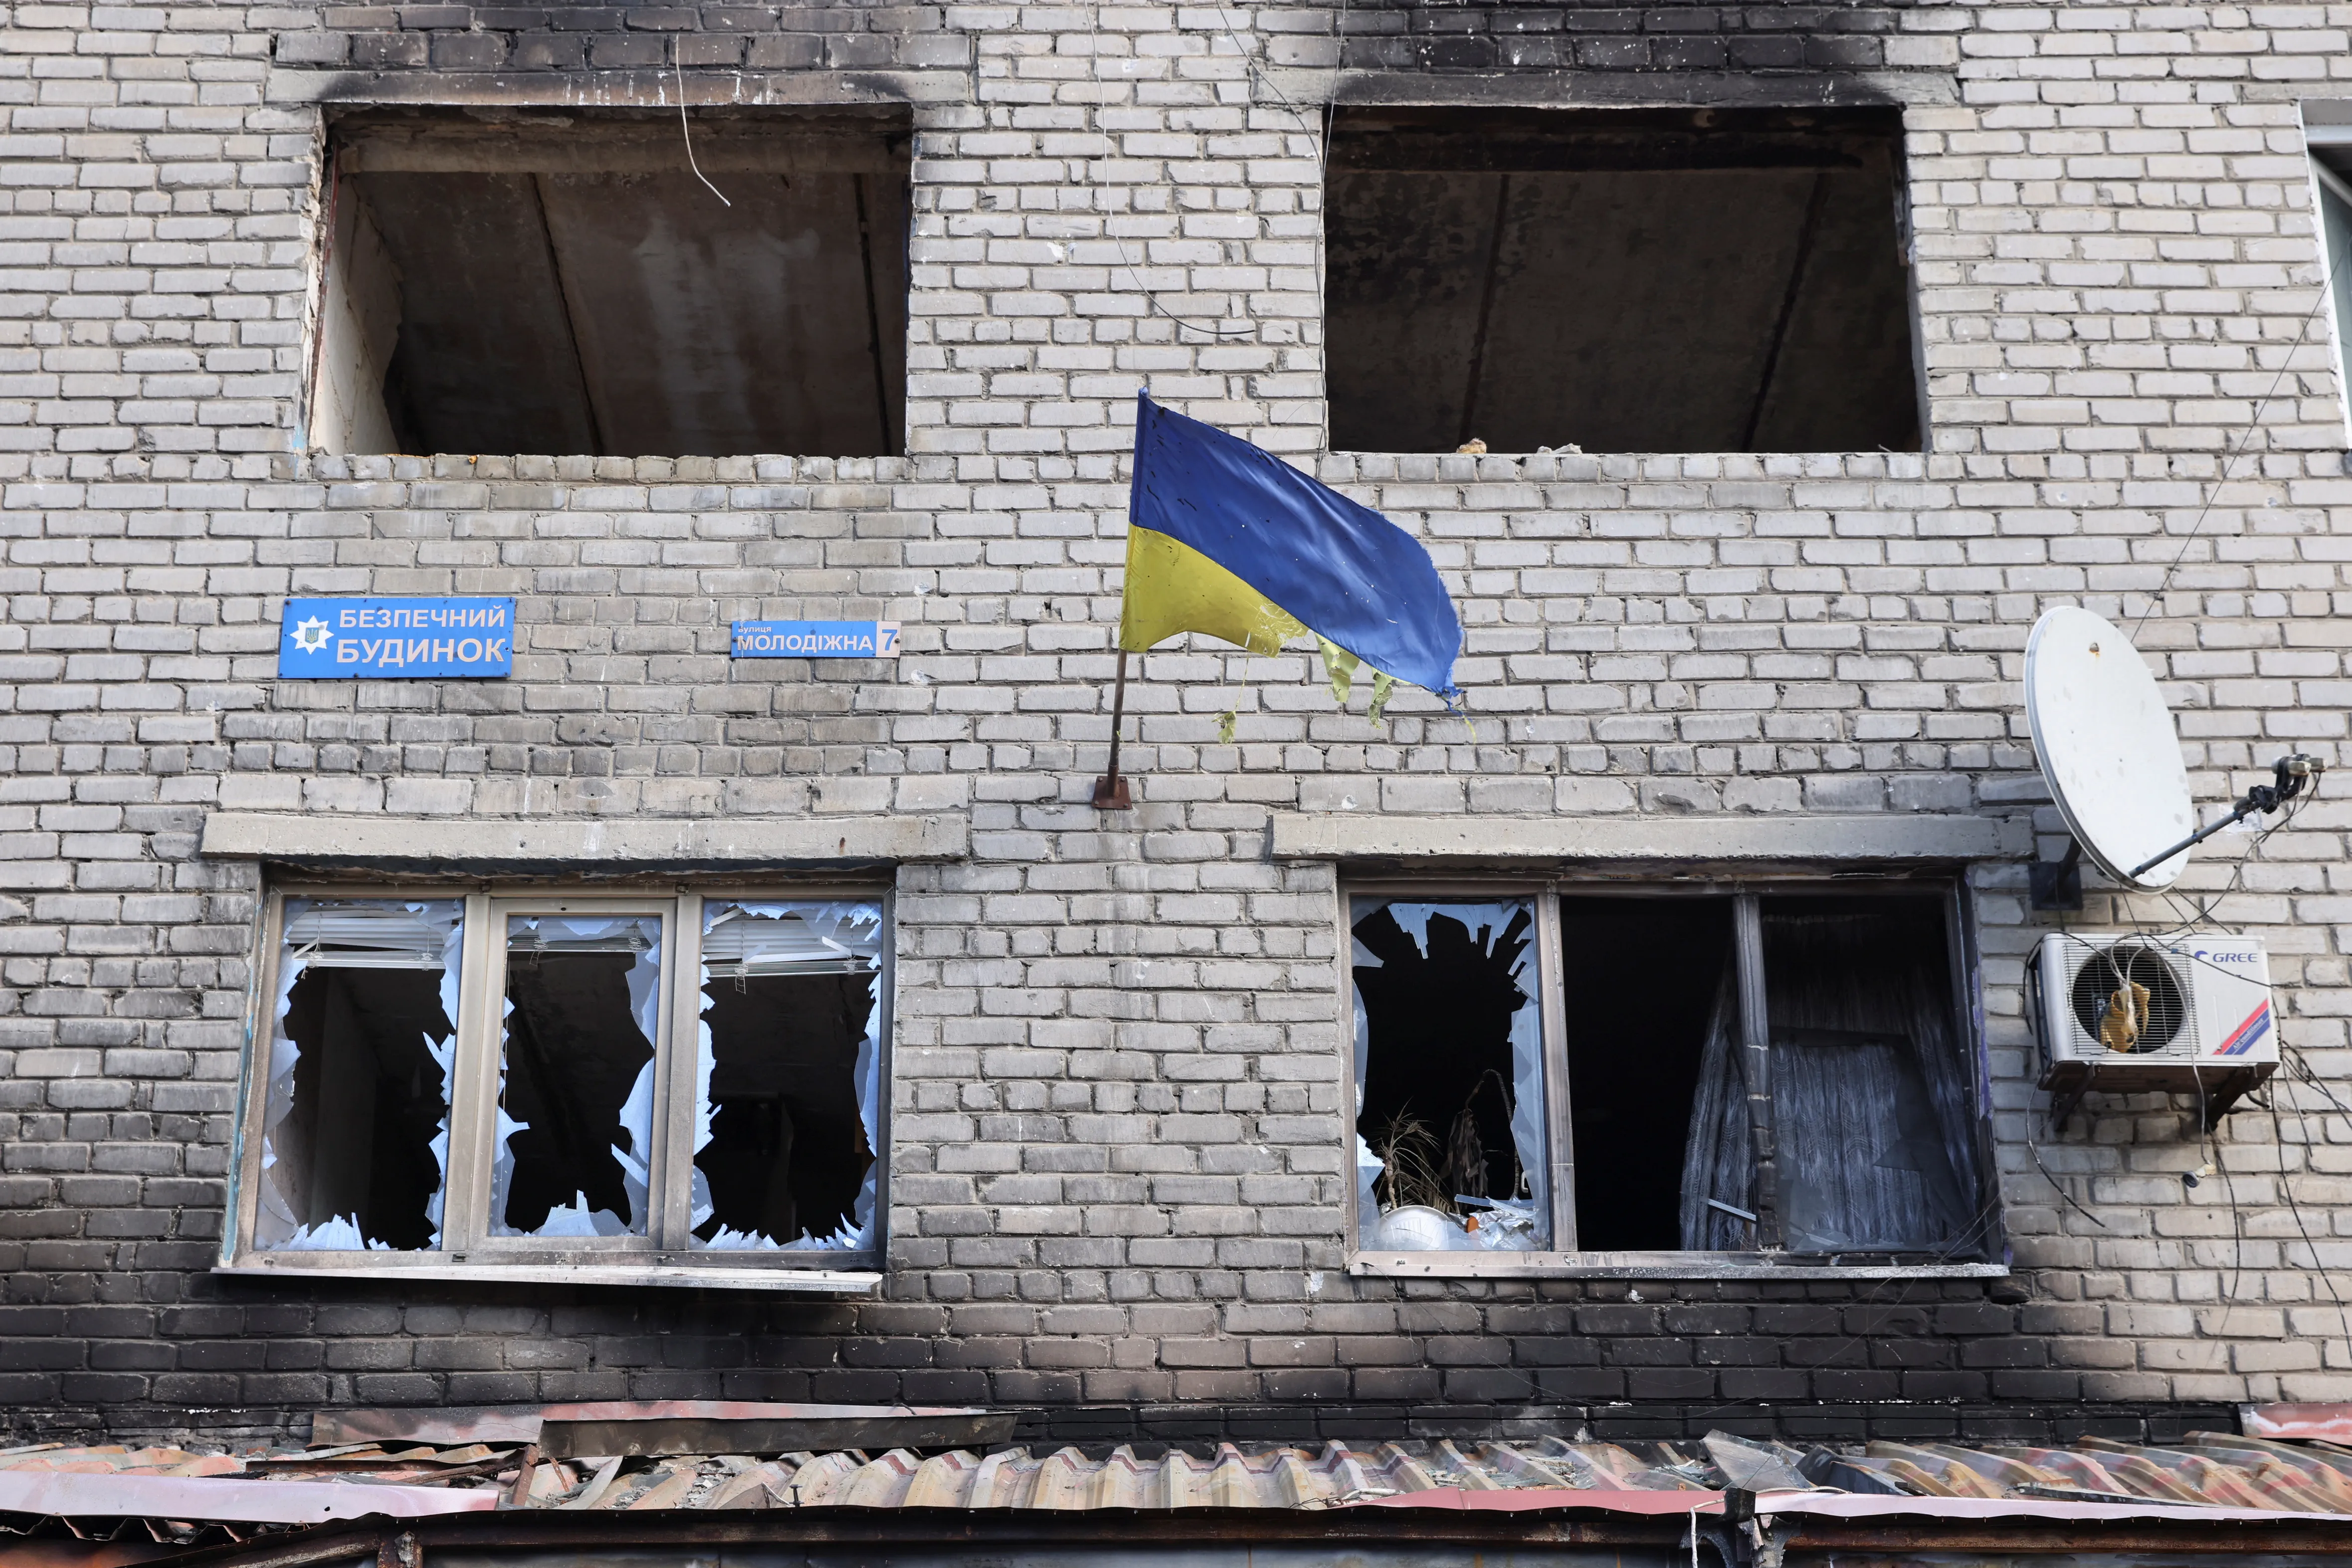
(576, 1082)
(355, 1135)
(1617, 280)
(786, 1079)
(1784, 1072)
(566, 283)
(1449, 1076)
(557, 1104)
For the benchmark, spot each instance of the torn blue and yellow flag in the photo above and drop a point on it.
(1225, 539)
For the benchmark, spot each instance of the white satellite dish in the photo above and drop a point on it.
(2107, 747)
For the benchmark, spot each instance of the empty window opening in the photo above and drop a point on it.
(356, 1131)
(1619, 280)
(1640, 979)
(786, 1081)
(1449, 1076)
(564, 284)
(576, 1079)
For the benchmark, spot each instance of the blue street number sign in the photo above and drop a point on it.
(816, 639)
(395, 639)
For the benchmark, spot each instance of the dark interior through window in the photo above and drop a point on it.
(787, 1153)
(564, 283)
(368, 1100)
(1641, 977)
(1622, 280)
(573, 1053)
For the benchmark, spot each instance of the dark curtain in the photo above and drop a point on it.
(1718, 1159)
(1870, 1092)
(1869, 1088)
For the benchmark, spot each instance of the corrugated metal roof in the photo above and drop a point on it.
(290, 1486)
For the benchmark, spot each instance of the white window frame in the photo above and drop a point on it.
(1565, 1262)
(665, 1255)
(2327, 182)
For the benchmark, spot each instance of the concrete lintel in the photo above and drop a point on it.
(1518, 841)
(574, 843)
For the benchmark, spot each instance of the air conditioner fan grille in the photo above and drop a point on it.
(2102, 974)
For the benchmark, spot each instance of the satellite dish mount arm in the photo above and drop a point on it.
(2288, 776)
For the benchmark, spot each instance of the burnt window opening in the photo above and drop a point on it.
(1784, 1072)
(563, 283)
(558, 1102)
(1702, 281)
(1449, 1076)
(357, 1126)
(785, 1097)
(576, 1090)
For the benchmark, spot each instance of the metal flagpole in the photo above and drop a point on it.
(1110, 789)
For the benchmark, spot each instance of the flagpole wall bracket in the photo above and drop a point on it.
(1112, 793)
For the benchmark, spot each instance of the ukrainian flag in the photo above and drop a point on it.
(1225, 539)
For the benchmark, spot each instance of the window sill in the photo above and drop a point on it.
(1644, 1266)
(691, 1276)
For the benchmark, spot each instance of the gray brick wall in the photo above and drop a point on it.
(1117, 1183)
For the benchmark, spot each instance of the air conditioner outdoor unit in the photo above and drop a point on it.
(2127, 1013)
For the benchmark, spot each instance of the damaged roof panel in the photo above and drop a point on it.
(101, 1492)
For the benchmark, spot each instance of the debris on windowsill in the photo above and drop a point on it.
(1484, 1224)
(1474, 447)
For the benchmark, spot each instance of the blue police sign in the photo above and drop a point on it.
(816, 639)
(395, 639)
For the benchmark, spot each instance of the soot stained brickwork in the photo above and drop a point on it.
(1119, 1190)
(596, 40)
(1662, 41)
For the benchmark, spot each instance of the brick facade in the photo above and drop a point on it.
(1118, 1192)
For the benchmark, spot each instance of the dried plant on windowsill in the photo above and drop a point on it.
(1464, 1170)
(1408, 1153)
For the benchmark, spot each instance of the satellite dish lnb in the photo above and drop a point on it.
(2110, 755)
